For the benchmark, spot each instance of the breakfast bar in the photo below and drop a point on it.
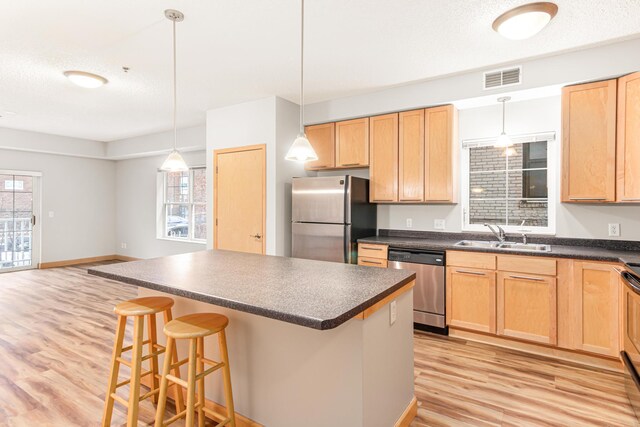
(310, 343)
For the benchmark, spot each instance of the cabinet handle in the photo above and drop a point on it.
(630, 199)
(351, 164)
(321, 166)
(618, 270)
(588, 198)
(370, 262)
(372, 249)
(534, 279)
(473, 273)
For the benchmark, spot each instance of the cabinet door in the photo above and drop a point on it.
(322, 139)
(441, 155)
(352, 143)
(411, 156)
(629, 138)
(527, 307)
(589, 142)
(383, 132)
(596, 308)
(471, 299)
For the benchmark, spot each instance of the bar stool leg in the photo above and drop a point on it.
(136, 364)
(115, 368)
(173, 354)
(200, 367)
(191, 382)
(152, 334)
(164, 383)
(226, 376)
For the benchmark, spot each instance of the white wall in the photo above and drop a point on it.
(136, 200)
(81, 194)
(268, 121)
(19, 140)
(589, 64)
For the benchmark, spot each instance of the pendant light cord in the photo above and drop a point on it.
(302, 69)
(503, 106)
(175, 89)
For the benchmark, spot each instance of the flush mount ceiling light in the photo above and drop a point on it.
(301, 149)
(174, 162)
(86, 80)
(503, 139)
(525, 21)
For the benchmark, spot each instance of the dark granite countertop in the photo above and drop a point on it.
(315, 294)
(623, 251)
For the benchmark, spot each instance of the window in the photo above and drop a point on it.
(508, 186)
(183, 209)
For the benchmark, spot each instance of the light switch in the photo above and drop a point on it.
(51, 214)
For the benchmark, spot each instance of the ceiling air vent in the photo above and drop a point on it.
(504, 77)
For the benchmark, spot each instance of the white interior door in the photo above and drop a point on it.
(19, 220)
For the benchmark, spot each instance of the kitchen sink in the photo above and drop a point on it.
(505, 246)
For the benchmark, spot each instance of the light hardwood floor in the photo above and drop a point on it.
(57, 329)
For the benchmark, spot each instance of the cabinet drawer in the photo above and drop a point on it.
(368, 250)
(471, 259)
(372, 262)
(525, 264)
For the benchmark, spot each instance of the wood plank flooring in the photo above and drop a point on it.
(57, 329)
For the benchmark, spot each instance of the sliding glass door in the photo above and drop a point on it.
(19, 203)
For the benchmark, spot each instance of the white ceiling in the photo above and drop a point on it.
(231, 51)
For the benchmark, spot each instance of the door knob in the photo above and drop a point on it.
(257, 236)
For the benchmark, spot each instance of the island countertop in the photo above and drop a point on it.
(316, 294)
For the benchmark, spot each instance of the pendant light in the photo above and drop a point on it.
(503, 139)
(301, 149)
(174, 162)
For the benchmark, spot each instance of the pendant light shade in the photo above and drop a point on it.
(503, 139)
(301, 149)
(174, 162)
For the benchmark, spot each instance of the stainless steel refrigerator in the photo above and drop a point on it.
(329, 214)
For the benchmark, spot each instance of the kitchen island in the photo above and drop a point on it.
(311, 343)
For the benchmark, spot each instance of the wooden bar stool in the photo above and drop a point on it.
(139, 307)
(195, 327)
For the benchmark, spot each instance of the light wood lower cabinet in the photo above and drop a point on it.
(471, 299)
(596, 308)
(373, 262)
(527, 307)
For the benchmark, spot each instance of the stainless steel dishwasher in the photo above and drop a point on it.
(429, 292)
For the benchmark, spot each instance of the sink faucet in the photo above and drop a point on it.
(499, 233)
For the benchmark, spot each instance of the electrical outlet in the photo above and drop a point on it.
(123, 245)
(51, 214)
(614, 230)
(409, 222)
(393, 312)
(439, 224)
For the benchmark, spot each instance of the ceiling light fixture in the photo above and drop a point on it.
(503, 138)
(86, 80)
(174, 162)
(525, 21)
(301, 149)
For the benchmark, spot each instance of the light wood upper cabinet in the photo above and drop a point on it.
(323, 140)
(628, 171)
(383, 168)
(471, 299)
(589, 142)
(352, 143)
(527, 307)
(596, 321)
(411, 156)
(441, 155)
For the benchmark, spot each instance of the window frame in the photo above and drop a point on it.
(552, 184)
(163, 204)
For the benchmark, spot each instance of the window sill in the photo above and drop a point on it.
(170, 239)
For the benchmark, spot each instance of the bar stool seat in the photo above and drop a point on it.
(143, 306)
(195, 327)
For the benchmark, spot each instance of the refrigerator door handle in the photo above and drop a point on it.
(347, 244)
